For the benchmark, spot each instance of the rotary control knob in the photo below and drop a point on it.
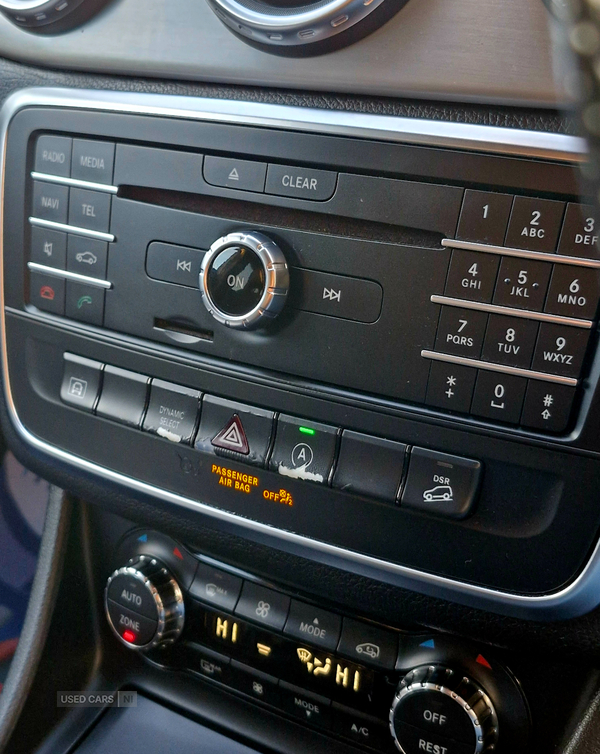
(441, 711)
(144, 604)
(244, 280)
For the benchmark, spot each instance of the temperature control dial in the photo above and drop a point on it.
(244, 280)
(440, 710)
(144, 604)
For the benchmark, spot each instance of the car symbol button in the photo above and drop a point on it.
(368, 645)
(442, 484)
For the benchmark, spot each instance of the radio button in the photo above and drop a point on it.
(450, 386)
(216, 587)
(312, 708)
(547, 406)
(81, 382)
(369, 466)
(234, 430)
(560, 349)
(47, 293)
(87, 256)
(123, 397)
(53, 155)
(50, 201)
(302, 183)
(336, 295)
(442, 484)
(49, 247)
(484, 217)
(303, 449)
(313, 625)
(93, 161)
(579, 237)
(574, 292)
(89, 209)
(461, 332)
(472, 276)
(534, 224)
(172, 412)
(227, 172)
(369, 644)
(498, 396)
(264, 606)
(522, 283)
(85, 303)
(510, 341)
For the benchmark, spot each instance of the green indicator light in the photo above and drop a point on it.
(307, 431)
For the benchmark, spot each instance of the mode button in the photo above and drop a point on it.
(302, 183)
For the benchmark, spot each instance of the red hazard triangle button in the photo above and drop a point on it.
(232, 437)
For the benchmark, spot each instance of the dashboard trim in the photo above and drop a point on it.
(580, 595)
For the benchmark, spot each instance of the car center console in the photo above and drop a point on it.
(348, 341)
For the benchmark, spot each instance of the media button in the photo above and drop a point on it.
(50, 201)
(313, 625)
(461, 332)
(227, 172)
(53, 155)
(302, 183)
(48, 247)
(304, 449)
(369, 644)
(93, 161)
(216, 587)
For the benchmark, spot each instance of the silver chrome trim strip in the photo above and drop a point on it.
(450, 359)
(556, 319)
(72, 229)
(510, 252)
(75, 182)
(580, 595)
(55, 272)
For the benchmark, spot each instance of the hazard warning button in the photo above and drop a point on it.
(234, 430)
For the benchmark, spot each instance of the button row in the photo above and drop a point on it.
(77, 300)
(66, 205)
(524, 284)
(80, 159)
(512, 341)
(529, 223)
(299, 449)
(500, 397)
(279, 180)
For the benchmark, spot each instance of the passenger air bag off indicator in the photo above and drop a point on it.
(236, 480)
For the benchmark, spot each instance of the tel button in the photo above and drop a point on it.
(302, 183)
(313, 625)
(441, 483)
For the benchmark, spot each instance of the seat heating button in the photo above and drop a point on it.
(172, 412)
(81, 382)
(498, 396)
(440, 483)
(484, 217)
(450, 386)
(93, 161)
(579, 236)
(547, 406)
(461, 332)
(574, 292)
(50, 201)
(263, 605)
(123, 396)
(369, 466)
(49, 247)
(560, 349)
(234, 430)
(534, 224)
(303, 449)
(472, 275)
(313, 625)
(53, 155)
(522, 283)
(216, 587)
(369, 644)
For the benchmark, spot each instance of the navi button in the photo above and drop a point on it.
(304, 450)
(234, 430)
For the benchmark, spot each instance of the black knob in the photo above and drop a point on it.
(441, 711)
(144, 604)
(244, 280)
